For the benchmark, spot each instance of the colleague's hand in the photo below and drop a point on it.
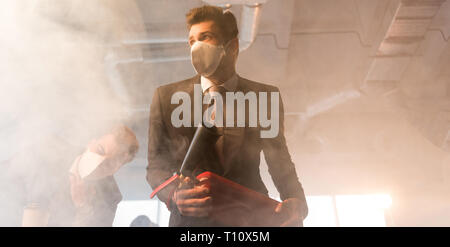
(192, 200)
(293, 208)
(80, 191)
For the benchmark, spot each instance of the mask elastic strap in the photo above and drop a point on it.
(225, 47)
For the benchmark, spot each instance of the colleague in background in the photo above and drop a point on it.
(84, 191)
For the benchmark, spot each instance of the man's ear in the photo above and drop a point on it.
(234, 45)
(128, 158)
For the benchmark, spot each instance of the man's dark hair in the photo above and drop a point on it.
(225, 20)
(126, 137)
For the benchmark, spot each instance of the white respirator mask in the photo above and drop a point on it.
(206, 57)
(88, 163)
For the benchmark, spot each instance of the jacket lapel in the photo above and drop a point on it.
(190, 91)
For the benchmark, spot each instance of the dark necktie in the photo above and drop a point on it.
(230, 139)
(219, 145)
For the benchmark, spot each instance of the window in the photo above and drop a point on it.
(348, 210)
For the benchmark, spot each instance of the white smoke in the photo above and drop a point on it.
(52, 80)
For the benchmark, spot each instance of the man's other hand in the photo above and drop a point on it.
(192, 200)
(293, 208)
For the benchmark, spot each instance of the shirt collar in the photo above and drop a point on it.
(230, 85)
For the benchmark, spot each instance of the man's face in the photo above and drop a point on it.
(115, 154)
(207, 32)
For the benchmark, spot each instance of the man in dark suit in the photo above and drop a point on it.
(236, 154)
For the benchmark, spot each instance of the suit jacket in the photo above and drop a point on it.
(168, 145)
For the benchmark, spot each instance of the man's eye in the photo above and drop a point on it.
(100, 149)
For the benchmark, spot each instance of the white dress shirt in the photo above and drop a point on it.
(230, 85)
